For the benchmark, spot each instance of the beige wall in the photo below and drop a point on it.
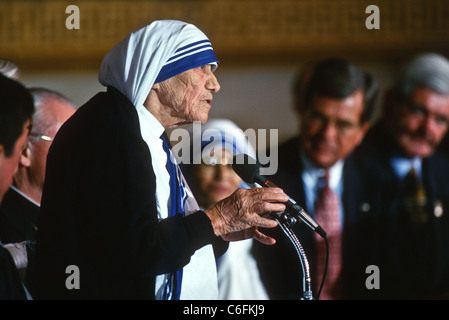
(255, 96)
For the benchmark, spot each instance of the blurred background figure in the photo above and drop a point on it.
(213, 180)
(16, 110)
(334, 102)
(400, 155)
(19, 210)
(9, 69)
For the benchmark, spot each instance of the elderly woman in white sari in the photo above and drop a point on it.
(118, 220)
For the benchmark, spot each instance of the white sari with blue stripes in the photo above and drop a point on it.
(147, 56)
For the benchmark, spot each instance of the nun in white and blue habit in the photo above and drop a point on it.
(104, 208)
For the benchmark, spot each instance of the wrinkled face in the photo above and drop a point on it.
(420, 123)
(214, 179)
(8, 165)
(331, 128)
(189, 95)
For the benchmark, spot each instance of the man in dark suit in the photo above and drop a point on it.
(20, 206)
(334, 101)
(19, 211)
(399, 154)
(16, 110)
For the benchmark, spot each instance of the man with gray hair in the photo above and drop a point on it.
(400, 155)
(20, 207)
(52, 109)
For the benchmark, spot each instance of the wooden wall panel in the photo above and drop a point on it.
(33, 33)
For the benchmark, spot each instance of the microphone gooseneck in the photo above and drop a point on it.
(248, 169)
(306, 277)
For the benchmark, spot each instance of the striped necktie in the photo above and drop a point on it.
(327, 213)
(178, 196)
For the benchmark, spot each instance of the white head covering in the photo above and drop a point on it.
(153, 54)
(224, 134)
(232, 139)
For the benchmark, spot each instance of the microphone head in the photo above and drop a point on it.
(246, 167)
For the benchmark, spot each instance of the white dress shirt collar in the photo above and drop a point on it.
(312, 172)
(401, 166)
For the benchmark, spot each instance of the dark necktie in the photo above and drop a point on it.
(416, 199)
(327, 213)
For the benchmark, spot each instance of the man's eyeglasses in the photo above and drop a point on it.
(41, 136)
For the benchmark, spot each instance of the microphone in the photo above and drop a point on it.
(249, 171)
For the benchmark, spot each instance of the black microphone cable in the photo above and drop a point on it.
(325, 268)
